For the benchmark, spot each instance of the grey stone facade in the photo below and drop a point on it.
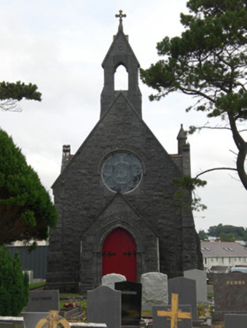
(166, 240)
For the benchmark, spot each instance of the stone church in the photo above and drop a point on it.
(115, 196)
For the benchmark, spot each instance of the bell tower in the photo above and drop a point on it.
(120, 53)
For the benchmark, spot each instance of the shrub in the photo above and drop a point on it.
(14, 287)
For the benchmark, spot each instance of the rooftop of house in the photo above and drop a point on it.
(223, 249)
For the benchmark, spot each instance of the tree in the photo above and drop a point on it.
(202, 235)
(208, 61)
(239, 233)
(14, 288)
(227, 237)
(12, 93)
(26, 210)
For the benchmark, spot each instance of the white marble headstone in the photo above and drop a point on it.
(110, 279)
(154, 290)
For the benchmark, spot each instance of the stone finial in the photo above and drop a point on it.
(120, 16)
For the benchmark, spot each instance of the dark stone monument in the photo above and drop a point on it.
(165, 322)
(235, 320)
(230, 294)
(186, 290)
(131, 302)
(43, 301)
(104, 306)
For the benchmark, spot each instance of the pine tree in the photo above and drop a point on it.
(26, 210)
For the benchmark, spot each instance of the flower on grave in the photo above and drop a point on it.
(69, 305)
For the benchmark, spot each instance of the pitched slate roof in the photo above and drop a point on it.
(223, 249)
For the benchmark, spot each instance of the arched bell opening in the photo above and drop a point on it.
(121, 78)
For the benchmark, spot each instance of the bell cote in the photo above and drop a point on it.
(120, 53)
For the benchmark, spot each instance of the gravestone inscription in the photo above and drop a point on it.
(131, 302)
(230, 294)
(43, 301)
(186, 290)
(104, 306)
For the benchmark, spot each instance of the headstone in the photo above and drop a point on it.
(230, 294)
(200, 278)
(186, 289)
(173, 315)
(43, 301)
(104, 306)
(11, 322)
(110, 279)
(32, 318)
(154, 290)
(235, 320)
(87, 325)
(5, 325)
(131, 302)
(53, 320)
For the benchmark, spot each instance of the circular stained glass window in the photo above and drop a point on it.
(122, 171)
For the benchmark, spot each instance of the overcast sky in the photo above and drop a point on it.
(60, 45)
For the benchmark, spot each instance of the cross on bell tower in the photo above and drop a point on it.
(120, 16)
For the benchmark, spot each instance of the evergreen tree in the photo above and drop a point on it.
(14, 287)
(12, 93)
(209, 62)
(26, 210)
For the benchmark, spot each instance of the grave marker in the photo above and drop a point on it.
(32, 318)
(154, 289)
(54, 320)
(43, 301)
(200, 278)
(230, 294)
(13, 322)
(111, 278)
(186, 289)
(104, 306)
(235, 320)
(131, 294)
(174, 314)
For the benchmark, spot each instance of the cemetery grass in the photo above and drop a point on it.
(36, 285)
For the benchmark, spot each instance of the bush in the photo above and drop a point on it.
(14, 287)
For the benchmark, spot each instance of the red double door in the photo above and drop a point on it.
(119, 254)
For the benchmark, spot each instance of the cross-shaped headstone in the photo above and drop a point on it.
(120, 16)
(54, 320)
(174, 314)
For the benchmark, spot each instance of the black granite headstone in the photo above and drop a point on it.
(131, 302)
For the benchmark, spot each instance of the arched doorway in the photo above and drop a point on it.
(119, 254)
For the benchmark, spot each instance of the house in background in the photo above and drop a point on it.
(223, 254)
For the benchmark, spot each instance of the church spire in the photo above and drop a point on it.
(120, 53)
(120, 16)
